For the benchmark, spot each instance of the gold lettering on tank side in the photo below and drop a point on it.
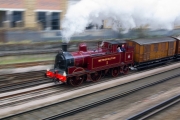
(106, 59)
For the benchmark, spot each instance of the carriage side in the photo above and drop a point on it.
(177, 47)
(150, 52)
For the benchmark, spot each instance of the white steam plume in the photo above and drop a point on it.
(127, 14)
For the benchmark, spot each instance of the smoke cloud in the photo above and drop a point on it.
(127, 14)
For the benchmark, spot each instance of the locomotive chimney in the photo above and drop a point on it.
(64, 47)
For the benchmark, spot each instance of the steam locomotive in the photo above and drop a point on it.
(76, 67)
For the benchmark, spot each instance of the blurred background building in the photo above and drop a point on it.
(38, 14)
(41, 20)
(72, 2)
(46, 14)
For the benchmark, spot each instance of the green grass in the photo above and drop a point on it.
(26, 58)
(15, 42)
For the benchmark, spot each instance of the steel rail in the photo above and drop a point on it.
(22, 80)
(24, 84)
(24, 74)
(28, 52)
(27, 64)
(156, 109)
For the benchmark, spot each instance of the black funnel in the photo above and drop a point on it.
(64, 47)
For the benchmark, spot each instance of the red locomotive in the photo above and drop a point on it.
(112, 57)
(75, 67)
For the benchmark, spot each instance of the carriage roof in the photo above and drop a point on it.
(142, 41)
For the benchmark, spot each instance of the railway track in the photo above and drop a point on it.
(156, 109)
(71, 47)
(27, 64)
(28, 52)
(45, 91)
(50, 89)
(10, 82)
(171, 113)
(73, 106)
(17, 81)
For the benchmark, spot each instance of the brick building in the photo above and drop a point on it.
(46, 14)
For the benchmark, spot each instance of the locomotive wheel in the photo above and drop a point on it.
(115, 72)
(96, 76)
(125, 69)
(76, 81)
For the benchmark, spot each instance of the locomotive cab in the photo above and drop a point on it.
(112, 46)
